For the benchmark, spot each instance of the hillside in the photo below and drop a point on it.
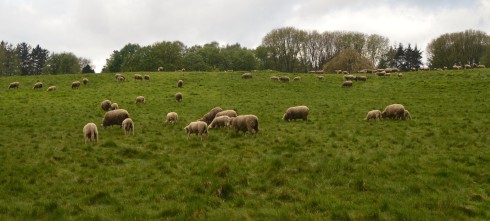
(334, 166)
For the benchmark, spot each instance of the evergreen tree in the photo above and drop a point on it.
(24, 54)
(87, 69)
(38, 60)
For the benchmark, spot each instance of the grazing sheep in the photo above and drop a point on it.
(480, 66)
(51, 88)
(457, 67)
(38, 85)
(394, 111)
(180, 83)
(245, 123)
(85, 81)
(361, 78)
(138, 77)
(320, 77)
(347, 84)
(118, 75)
(146, 77)
(128, 126)
(399, 75)
(275, 78)
(297, 78)
(388, 74)
(298, 112)
(247, 76)
(14, 85)
(381, 73)
(140, 99)
(406, 115)
(374, 114)
(338, 71)
(209, 117)
(114, 106)
(221, 121)
(171, 118)
(229, 113)
(467, 66)
(120, 78)
(106, 105)
(90, 133)
(75, 85)
(349, 77)
(197, 127)
(284, 79)
(114, 117)
(178, 97)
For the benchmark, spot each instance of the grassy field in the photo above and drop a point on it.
(333, 167)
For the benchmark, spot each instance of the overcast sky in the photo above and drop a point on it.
(93, 29)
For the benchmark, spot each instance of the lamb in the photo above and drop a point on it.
(349, 77)
(275, 78)
(400, 75)
(298, 112)
(229, 113)
(138, 77)
(14, 85)
(106, 105)
(118, 75)
(146, 77)
(114, 106)
(480, 66)
(347, 84)
(457, 67)
(361, 78)
(320, 77)
(209, 117)
(114, 117)
(85, 81)
(75, 85)
(180, 83)
(221, 121)
(128, 126)
(374, 114)
(245, 123)
(90, 133)
(247, 76)
(51, 88)
(171, 118)
(394, 111)
(178, 97)
(140, 99)
(467, 66)
(38, 85)
(297, 78)
(197, 127)
(284, 79)
(120, 78)
(381, 73)
(338, 71)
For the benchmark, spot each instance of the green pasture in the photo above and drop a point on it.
(335, 166)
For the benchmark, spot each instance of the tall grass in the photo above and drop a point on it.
(334, 166)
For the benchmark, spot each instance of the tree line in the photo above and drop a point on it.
(23, 59)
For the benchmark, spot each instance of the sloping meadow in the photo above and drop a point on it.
(334, 166)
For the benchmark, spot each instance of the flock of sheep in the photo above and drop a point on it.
(216, 117)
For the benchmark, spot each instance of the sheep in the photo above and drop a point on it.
(345, 72)
(146, 77)
(406, 115)
(229, 113)
(338, 71)
(349, 77)
(128, 126)
(457, 67)
(138, 77)
(38, 85)
(114, 117)
(75, 85)
(120, 78)
(247, 76)
(51, 88)
(284, 79)
(106, 105)
(221, 121)
(467, 66)
(180, 83)
(197, 127)
(394, 111)
(381, 73)
(171, 118)
(275, 78)
(480, 66)
(297, 78)
(361, 78)
(178, 97)
(209, 117)
(90, 133)
(347, 84)
(140, 99)
(399, 75)
(298, 112)
(114, 106)
(245, 123)
(374, 114)
(85, 81)
(320, 77)
(118, 75)
(388, 74)
(14, 85)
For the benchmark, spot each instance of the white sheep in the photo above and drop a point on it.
(140, 99)
(374, 114)
(221, 121)
(171, 118)
(197, 127)
(128, 126)
(90, 133)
